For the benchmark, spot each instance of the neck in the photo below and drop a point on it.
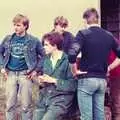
(21, 34)
(59, 31)
(56, 54)
(93, 24)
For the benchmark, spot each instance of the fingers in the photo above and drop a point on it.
(4, 73)
(46, 78)
(5, 76)
(81, 72)
(32, 75)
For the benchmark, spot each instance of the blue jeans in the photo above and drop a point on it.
(91, 93)
(24, 90)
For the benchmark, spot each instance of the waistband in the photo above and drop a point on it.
(23, 72)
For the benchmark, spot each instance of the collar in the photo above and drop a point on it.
(93, 25)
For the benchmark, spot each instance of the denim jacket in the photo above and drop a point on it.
(33, 51)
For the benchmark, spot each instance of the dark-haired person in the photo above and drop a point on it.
(95, 45)
(58, 85)
(60, 26)
(20, 56)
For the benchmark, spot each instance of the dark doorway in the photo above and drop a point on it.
(110, 16)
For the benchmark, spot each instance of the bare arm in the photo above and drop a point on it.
(114, 64)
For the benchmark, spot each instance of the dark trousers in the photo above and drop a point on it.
(115, 97)
(52, 104)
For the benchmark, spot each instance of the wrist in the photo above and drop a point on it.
(109, 68)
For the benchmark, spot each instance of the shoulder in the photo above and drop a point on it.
(106, 32)
(85, 31)
(82, 33)
(110, 36)
(66, 33)
(31, 37)
(65, 57)
(109, 33)
(6, 39)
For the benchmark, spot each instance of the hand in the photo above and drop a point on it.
(78, 72)
(47, 78)
(4, 73)
(32, 75)
(40, 79)
(75, 71)
(108, 71)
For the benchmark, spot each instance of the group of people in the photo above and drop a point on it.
(51, 63)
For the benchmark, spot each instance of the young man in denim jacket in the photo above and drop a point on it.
(20, 57)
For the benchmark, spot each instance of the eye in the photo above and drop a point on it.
(18, 25)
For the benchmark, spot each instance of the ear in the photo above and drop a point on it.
(26, 27)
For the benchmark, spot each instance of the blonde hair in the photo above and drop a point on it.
(21, 18)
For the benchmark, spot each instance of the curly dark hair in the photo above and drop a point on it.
(54, 38)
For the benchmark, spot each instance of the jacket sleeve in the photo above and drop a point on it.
(2, 49)
(75, 48)
(41, 54)
(68, 39)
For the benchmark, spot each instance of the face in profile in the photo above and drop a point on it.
(19, 28)
(48, 47)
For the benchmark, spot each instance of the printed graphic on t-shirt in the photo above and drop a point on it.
(17, 50)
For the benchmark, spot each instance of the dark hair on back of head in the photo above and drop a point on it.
(54, 38)
(90, 12)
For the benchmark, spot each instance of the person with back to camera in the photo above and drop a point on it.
(95, 44)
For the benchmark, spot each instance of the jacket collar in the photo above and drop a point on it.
(27, 37)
